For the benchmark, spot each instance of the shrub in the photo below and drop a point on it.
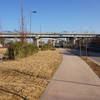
(18, 50)
(44, 47)
(47, 47)
(30, 49)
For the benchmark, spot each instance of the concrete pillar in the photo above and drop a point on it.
(67, 40)
(36, 42)
(72, 41)
(53, 43)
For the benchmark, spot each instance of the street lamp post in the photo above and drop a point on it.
(31, 20)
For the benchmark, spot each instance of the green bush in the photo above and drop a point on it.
(30, 49)
(44, 47)
(47, 47)
(18, 50)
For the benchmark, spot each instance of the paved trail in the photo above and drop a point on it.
(74, 80)
(95, 57)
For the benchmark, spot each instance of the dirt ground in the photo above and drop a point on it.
(27, 78)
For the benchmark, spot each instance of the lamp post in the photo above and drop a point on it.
(31, 20)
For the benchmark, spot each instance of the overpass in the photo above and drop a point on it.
(36, 36)
(47, 35)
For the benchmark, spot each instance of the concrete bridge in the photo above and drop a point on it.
(47, 35)
(36, 36)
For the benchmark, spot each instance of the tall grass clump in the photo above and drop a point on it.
(19, 50)
(47, 47)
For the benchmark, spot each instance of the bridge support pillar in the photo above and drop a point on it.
(71, 41)
(53, 43)
(67, 41)
(36, 42)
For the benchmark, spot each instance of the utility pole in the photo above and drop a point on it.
(86, 49)
(80, 48)
(40, 28)
(22, 20)
(22, 25)
(0, 28)
(1, 39)
(30, 22)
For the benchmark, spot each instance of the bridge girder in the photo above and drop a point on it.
(47, 35)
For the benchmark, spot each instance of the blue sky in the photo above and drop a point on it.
(52, 15)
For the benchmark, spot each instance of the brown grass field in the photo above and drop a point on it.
(27, 78)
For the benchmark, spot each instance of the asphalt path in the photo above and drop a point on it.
(74, 80)
(94, 56)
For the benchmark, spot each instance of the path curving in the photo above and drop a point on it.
(74, 80)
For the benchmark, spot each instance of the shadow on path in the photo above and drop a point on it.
(74, 82)
(67, 53)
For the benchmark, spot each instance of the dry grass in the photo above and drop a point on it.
(2, 51)
(27, 78)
